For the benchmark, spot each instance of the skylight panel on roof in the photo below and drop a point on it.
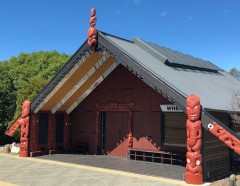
(180, 60)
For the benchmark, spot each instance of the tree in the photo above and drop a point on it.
(7, 102)
(235, 108)
(21, 78)
(235, 73)
(235, 102)
(29, 89)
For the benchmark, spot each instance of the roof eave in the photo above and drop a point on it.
(59, 75)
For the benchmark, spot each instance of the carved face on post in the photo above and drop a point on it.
(92, 36)
(25, 108)
(92, 31)
(193, 107)
(194, 163)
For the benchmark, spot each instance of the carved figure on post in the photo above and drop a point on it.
(92, 31)
(194, 163)
(194, 127)
(22, 122)
(194, 140)
(130, 137)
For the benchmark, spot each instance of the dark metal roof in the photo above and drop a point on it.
(183, 60)
(187, 75)
(215, 87)
(151, 65)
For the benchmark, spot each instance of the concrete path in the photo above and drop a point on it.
(33, 171)
(15, 171)
(175, 172)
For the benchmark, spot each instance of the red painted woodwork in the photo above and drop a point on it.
(114, 107)
(116, 134)
(194, 141)
(34, 126)
(92, 31)
(67, 132)
(130, 129)
(14, 127)
(121, 86)
(97, 127)
(225, 136)
(194, 136)
(51, 132)
(22, 122)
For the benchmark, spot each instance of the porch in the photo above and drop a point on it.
(121, 164)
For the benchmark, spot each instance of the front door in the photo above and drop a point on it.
(115, 133)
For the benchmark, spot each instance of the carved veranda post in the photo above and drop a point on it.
(34, 126)
(130, 125)
(97, 128)
(194, 141)
(51, 132)
(67, 132)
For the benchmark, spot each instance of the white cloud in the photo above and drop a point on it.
(163, 13)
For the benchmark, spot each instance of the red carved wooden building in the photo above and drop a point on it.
(128, 98)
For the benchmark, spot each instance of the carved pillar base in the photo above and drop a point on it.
(23, 153)
(193, 178)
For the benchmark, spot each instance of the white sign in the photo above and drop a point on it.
(170, 108)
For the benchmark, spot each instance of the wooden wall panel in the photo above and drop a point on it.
(147, 99)
(156, 101)
(128, 95)
(122, 86)
(216, 155)
(83, 124)
(137, 129)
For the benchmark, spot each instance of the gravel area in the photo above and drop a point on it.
(233, 180)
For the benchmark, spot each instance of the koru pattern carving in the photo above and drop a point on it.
(227, 138)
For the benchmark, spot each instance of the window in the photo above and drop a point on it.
(103, 132)
(174, 129)
(43, 129)
(59, 128)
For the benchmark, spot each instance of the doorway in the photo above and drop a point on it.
(114, 133)
(114, 123)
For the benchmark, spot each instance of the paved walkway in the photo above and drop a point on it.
(40, 171)
(121, 164)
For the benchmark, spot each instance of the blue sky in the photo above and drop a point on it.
(208, 29)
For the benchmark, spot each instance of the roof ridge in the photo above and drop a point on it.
(107, 34)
